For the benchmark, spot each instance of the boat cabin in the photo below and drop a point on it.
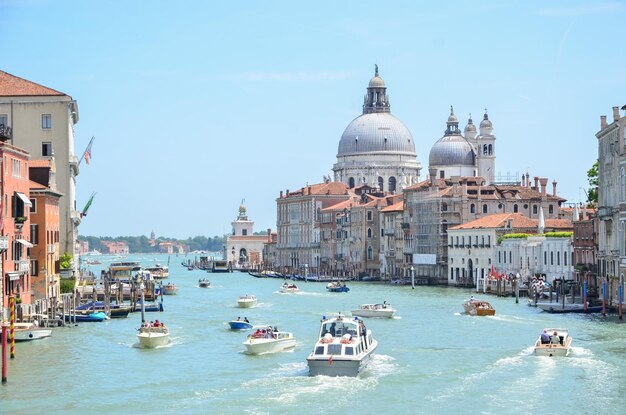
(341, 337)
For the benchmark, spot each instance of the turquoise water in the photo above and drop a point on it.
(431, 358)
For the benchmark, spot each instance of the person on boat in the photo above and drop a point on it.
(385, 304)
(332, 330)
(545, 337)
(238, 318)
(245, 320)
(156, 323)
(555, 338)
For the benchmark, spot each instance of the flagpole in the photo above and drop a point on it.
(86, 148)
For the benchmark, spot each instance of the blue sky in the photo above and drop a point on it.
(197, 105)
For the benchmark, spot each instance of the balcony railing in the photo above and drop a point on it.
(22, 266)
(5, 132)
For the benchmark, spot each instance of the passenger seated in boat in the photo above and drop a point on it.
(157, 324)
(245, 320)
(545, 337)
(555, 339)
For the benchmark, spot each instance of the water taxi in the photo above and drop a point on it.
(553, 342)
(220, 266)
(383, 310)
(204, 283)
(247, 301)
(169, 289)
(475, 307)
(150, 336)
(289, 287)
(268, 339)
(159, 272)
(344, 347)
(337, 287)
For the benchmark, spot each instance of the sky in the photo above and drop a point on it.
(196, 106)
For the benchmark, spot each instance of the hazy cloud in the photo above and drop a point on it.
(583, 9)
(289, 76)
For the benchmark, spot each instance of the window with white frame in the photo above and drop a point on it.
(16, 168)
(4, 119)
(46, 121)
(46, 149)
(33, 206)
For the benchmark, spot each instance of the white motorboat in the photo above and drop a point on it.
(151, 337)
(289, 287)
(553, 342)
(475, 307)
(30, 331)
(169, 289)
(344, 347)
(268, 339)
(247, 301)
(383, 310)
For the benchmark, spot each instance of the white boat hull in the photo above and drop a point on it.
(384, 313)
(30, 332)
(246, 303)
(264, 346)
(551, 350)
(340, 366)
(152, 339)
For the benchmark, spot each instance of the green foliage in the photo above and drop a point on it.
(141, 244)
(67, 285)
(558, 234)
(512, 236)
(592, 178)
(65, 261)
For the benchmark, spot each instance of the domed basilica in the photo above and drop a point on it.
(376, 148)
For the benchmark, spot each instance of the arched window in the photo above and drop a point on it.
(545, 258)
(472, 208)
(444, 207)
(485, 150)
(484, 208)
(551, 258)
(370, 253)
(515, 208)
(392, 184)
(490, 149)
(381, 183)
(351, 182)
(369, 232)
(558, 258)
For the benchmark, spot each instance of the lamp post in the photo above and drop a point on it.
(412, 277)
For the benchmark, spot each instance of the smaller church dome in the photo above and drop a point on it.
(485, 123)
(376, 82)
(452, 118)
(470, 127)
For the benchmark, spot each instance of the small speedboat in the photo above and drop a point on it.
(204, 283)
(475, 307)
(289, 287)
(268, 339)
(337, 287)
(30, 331)
(247, 301)
(82, 317)
(344, 347)
(169, 289)
(240, 324)
(383, 310)
(150, 337)
(553, 342)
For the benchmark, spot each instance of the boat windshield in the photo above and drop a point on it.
(339, 328)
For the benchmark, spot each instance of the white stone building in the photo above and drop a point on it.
(243, 249)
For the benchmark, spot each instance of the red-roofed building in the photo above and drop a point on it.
(42, 121)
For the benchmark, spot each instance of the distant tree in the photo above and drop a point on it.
(592, 178)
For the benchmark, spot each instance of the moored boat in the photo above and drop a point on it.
(204, 283)
(553, 342)
(344, 347)
(169, 289)
(30, 331)
(86, 317)
(151, 336)
(337, 287)
(115, 310)
(383, 310)
(268, 339)
(158, 271)
(475, 307)
(247, 301)
(289, 287)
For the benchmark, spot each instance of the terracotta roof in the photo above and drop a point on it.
(39, 163)
(34, 185)
(396, 207)
(518, 221)
(14, 86)
(346, 204)
(329, 188)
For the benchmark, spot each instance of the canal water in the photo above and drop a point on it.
(431, 358)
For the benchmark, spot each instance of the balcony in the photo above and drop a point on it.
(51, 249)
(74, 164)
(405, 225)
(390, 231)
(390, 254)
(22, 266)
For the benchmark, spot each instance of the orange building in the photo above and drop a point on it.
(15, 221)
(44, 229)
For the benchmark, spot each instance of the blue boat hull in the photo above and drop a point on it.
(339, 290)
(239, 325)
(94, 317)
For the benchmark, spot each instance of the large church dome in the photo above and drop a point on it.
(376, 132)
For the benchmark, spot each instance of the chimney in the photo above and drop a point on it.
(527, 179)
(281, 194)
(554, 188)
(615, 114)
(544, 183)
(269, 235)
(537, 183)
(523, 180)
(433, 176)
(603, 123)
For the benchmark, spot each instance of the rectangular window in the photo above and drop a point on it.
(334, 349)
(319, 350)
(16, 168)
(46, 121)
(33, 207)
(34, 234)
(350, 351)
(34, 268)
(4, 119)
(46, 149)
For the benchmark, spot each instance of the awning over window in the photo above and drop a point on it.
(26, 200)
(13, 276)
(25, 243)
